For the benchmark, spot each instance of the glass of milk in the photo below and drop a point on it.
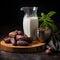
(30, 20)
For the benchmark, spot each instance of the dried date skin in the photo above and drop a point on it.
(24, 38)
(12, 34)
(20, 33)
(7, 39)
(19, 37)
(22, 43)
(47, 51)
(29, 40)
(13, 41)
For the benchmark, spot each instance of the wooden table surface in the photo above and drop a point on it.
(28, 56)
(31, 56)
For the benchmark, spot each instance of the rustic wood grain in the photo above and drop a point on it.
(33, 47)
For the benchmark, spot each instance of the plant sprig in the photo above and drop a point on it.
(46, 20)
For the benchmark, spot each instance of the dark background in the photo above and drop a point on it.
(12, 17)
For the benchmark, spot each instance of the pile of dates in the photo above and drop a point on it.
(18, 38)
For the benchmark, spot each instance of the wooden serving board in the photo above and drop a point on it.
(33, 47)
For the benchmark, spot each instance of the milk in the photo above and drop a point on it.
(29, 25)
(30, 20)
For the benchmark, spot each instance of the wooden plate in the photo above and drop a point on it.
(33, 47)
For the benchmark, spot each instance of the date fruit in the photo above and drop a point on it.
(20, 32)
(49, 51)
(7, 39)
(13, 41)
(19, 37)
(29, 40)
(25, 37)
(22, 43)
(12, 34)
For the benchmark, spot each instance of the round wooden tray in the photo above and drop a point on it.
(33, 47)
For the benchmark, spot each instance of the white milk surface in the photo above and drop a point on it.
(29, 25)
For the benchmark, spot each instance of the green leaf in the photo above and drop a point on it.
(51, 13)
(43, 16)
(46, 20)
(40, 19)
(53, 27)
(44, 24)
(50, 21)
